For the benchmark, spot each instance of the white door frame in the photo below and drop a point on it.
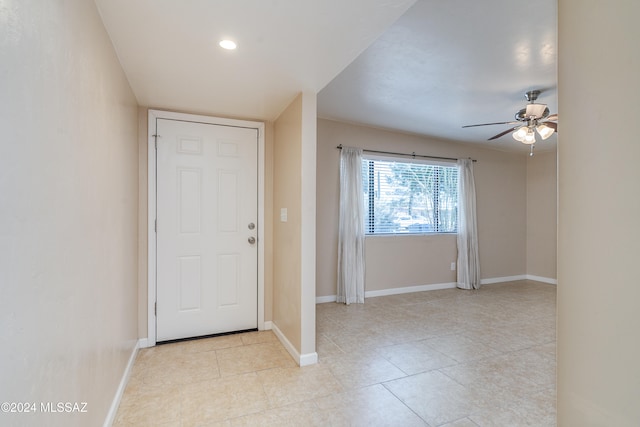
(151, 209)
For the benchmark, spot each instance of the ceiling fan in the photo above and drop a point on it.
(529, 120)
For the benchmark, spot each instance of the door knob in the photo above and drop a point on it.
(252, 240)
(251, 226)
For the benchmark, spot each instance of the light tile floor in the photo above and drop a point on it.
(437, 358)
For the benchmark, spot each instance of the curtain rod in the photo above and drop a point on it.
(414, 155)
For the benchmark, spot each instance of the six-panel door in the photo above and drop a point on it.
(207, 218)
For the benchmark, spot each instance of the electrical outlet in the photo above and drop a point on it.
(283, 215)
(453, 266)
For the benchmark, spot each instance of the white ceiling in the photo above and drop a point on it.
(170, 54)
(445, 64)
(429, 71)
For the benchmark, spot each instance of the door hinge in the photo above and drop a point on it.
(155, 308)
(155, 225)
(155, 138)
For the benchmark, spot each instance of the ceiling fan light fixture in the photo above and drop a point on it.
(530, 138)
(520, 134)
(544, 131)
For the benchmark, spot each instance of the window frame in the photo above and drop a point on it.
(370, 202)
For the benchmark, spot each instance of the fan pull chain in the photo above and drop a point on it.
(531, 152)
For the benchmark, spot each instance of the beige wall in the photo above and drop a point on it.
(542, 215)
(308, 163)
(287, 235)
(143, 265)
(68, 212)
(599, 211)
(294, 240)
(394, 262)
(143, 204)
(268, 221)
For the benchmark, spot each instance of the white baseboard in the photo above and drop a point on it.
(328, 298)
(286, 343)
(542, 279)
(393, 291)
(268, 325)
(143, 343)
(113, 410)
(308, 359)
(493, 280)
(516, 278)
(420, 288)
(301, 360)
(408, 290)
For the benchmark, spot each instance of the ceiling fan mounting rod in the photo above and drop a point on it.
(532, 95)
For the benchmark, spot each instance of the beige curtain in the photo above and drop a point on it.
(468, 257)
(351, 228)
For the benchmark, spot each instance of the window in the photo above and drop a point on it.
(409, 196)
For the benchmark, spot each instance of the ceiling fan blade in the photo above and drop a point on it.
(491, 124)
(503, 133)
(552, 125)
(553, 117)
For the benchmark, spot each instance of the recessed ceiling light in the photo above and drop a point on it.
(227, 44)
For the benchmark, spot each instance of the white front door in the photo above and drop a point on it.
(207, 219)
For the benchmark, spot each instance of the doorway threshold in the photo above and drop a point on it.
(201, 337)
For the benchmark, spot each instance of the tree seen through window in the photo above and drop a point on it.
(409, 197)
